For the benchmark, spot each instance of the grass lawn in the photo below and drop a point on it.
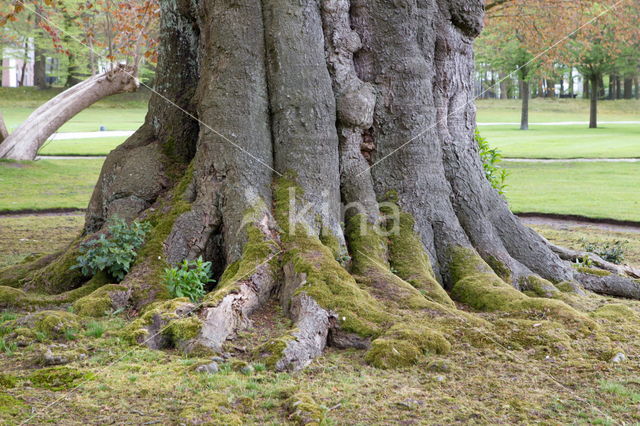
(97, 146)
(554, 110)
(88, 120)
(570, 141)
(597, 189)
(47, 184)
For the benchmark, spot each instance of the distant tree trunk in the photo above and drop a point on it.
(636, 81)
(40, 60)
(586, 89)
(628, 87)
(504, 88)
(600, 92)
(524, 113)
(72, 71)
(612, 87)
(571, 82)
(593, 107)
(24, 142)
(304, 108)
(618, 87)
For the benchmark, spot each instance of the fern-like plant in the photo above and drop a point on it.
(491, 157)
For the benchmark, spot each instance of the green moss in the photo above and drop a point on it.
(303, 410)
(593, 271)
(428, 340)
(499, 268)
(537, 286)
(10, 297)
(7, 381)
(12, 276)
(11, 407)
(55, 324)
(411, 262)
(58, 378)
(57, 276)
(549, 336)
(271, 352)
(98, 303)
(616, 312)
(387, 353)
(476, 285)
(567, 286)
(256, 251)
(183, 329)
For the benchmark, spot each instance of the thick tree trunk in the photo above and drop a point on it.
(24, 142)
(524, 112)
(326, 159)
(593, 105)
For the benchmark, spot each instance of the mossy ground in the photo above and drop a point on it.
(496, 369)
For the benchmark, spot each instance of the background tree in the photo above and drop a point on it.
(270, 115)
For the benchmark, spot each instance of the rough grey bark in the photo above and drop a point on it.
(24, 142)
(344, 102)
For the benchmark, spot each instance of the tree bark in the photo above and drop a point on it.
(524, 112)
(628, 87)
(593, 105)
(321, 155)
(39, 64)
(24, 142)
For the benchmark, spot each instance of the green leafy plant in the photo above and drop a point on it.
(610, 251)
(189, 279)
(491, 157)
(8, 347)
(113, 252)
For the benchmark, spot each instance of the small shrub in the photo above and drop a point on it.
(611, 252)
(491, 157)
(189, 279)
(113, 254)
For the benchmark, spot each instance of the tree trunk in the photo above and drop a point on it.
(586, 92)
(593, 106)
(326, 159)
(504, 90)
(524, 113)
(24, 142)
(612, 87)
(628, 87)
(39, 64)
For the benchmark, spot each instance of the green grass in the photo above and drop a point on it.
(88, 120)
(571, 141)
(47, 184)
(595, 189)
(96, 146)
(554, 110)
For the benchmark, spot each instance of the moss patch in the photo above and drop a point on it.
(593, 271)
(11, 408)
(303, 410)
(99, 302)
(58, 378)
(7, 381)
(387, 353)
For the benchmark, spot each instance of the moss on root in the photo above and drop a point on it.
(536, 286)
(410, 261)
(257, 250)
(303, 410)
(12, 276)
(404, 344)
(170, 320)
(99, 302)
(16, 298)
(593, 271)
(273, 351)
(57, 276)
(476, 285)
